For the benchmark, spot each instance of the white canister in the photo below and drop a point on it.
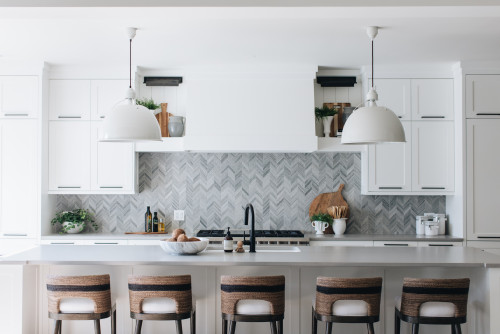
(431, 229)
(419, 226)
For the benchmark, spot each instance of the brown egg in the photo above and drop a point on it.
(177, 232)
(194, 239)
(182, 238)
(172, 240)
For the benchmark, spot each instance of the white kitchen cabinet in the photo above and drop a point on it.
(483, 178)
(105, 94)
(432, 99)
(113, 165)
(351, 243)
(395, 94)
(481, 96)
(395, 244)
(439, 244)
(69, 100)
(69, 156)
(19, 97)
(433, 155)
(390, 165)
(19, 180)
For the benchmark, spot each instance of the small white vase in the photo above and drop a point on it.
(78, 227)
(327, 123)
(339, 226)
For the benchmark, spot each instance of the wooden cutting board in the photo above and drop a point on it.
(163, 120)
(324, 201)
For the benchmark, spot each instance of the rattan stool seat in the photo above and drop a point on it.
(346, 300)
(432, 301)
(161, 298)
(252, 299)
(80, 298)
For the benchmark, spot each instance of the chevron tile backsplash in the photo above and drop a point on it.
(214, 188)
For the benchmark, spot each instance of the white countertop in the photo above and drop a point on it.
(308, 256)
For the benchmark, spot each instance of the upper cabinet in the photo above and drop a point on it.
(395, 94)
(19, 96)
(84, 99)
(432, 99)
(481, 96)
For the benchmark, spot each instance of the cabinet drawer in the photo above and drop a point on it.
(395, 243)
(440, 244)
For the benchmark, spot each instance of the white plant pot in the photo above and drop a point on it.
(327, 123)
(339, 226)
(78, 227)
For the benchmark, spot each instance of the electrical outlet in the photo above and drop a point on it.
(179, 215)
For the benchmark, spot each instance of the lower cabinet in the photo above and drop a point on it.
(366, 243)
(80, 164)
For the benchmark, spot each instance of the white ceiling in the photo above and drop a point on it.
(184, 37)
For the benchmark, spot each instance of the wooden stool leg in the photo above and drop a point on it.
(224, 326)
(397, 323)
(370, 328)
(178, 326)
(97, 326)
(280, 326)
(232, 327)
(274, 330)
(193, 322)
(138, 326)
(328, 328)
(414, 329)
(458, 329)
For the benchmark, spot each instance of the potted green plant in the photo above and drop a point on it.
(148, 103)
(74, 221)
(326, 115)
(321, 221)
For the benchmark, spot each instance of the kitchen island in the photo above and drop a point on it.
(25, 274)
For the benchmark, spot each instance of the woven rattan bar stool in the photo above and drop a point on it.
(346, 300)
(161, 298)
(253, 299)
(432, 301)
(80, 298)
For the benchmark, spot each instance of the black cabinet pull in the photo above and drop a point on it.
(440, 245)
(434, 188)
(404, 245)
(432, 117)
(14, 115)
(69, 116)
(390, 187)
(111, 187)
(488, 114)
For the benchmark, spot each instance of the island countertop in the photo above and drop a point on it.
(266, 256)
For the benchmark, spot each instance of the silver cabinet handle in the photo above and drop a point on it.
(102, 116)
(62, 243)
(434, 188)
(390, 187)
(15, 234)
(432, 117)
(14, 115)
(69, 187)
(69, 116)
(111, 187)
(105, 243)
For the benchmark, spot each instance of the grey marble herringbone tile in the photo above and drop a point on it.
(214, 188)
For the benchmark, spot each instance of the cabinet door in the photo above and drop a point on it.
(389, 165)
(481, 98)
(483, 178)
(69, 156)
(69, 99)
(105, 95)
(113, 164)
(19, 96)
(432, 99)
(395, 95)
(19, 168)
(433, 155)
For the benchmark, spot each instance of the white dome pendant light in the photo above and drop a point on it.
(372, 124)
(131, 122)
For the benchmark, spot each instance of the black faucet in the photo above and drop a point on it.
(248, 208)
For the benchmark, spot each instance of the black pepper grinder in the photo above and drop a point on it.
(228, 242)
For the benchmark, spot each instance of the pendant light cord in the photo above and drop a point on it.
(373, 79)
(130, 66)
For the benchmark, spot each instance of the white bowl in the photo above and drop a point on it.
(184, 248)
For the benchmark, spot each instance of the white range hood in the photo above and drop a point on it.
(251, 110)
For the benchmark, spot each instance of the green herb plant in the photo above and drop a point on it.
(325, 111)
(148, 103)
(75, 218)
(322, 217)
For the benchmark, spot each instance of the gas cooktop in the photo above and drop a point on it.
(258, 233)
